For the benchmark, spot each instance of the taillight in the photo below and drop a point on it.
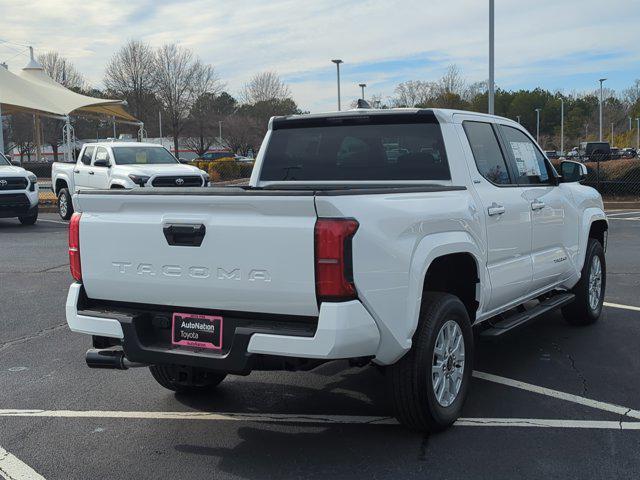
(334, 267)
(74, 247)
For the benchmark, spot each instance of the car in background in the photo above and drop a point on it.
(243, 159)
(552, 154)
(18, 193)
(615, 153)
(628, 152)
(217, 155)
(594, 151)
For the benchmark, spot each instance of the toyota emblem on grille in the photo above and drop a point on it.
(3, 183)
(179, 181)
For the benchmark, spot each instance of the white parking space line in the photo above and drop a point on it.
(569, 397)
(622, 212)
(12, 468)
(628, 219)
(317, 419)
(619, 305)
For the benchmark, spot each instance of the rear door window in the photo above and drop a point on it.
(377, 148)
(487, 153)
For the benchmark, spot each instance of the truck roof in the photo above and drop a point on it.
(122, 144)
(444, 115)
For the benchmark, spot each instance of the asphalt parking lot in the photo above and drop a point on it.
(551, 401)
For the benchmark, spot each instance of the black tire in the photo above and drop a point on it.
(410, 379)
(30, 219)
(580, 311)
(65, 205)
(186, 379)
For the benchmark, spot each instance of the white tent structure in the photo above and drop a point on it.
(33, 91)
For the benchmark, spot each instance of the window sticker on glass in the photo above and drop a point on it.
(526, 160)
(141, 157)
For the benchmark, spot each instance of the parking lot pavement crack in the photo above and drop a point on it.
(572, 363)
(623, 416)
(26, 338)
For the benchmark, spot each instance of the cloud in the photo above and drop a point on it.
(556, 45)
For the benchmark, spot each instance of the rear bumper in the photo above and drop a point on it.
(342, 331)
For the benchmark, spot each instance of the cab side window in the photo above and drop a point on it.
(486, 152)
(86, 155)
(529, 163)
(102, 154)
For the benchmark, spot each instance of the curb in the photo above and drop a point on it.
(613, 205)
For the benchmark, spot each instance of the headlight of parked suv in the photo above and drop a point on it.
(33, 180)
(139, 179)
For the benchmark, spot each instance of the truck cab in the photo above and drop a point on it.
(121, 165)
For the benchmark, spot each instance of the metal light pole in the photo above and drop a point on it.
(337, 61)
(612, 134)
(518, 117)
(220, 132)
(538, 125)
(160, 124)
(601, 82)
(362, 85)
(630, 127)
(491, 58)
(1, 122)
(637, 133)
(561, 126)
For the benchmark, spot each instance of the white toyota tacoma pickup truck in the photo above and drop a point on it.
(124, 165)
(18, 193)
(379, 236)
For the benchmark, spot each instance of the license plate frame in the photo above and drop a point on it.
(197, 331)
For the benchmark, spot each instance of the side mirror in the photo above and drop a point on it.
(101, 163)
(15, 163)
(183, 161)
(572, 171)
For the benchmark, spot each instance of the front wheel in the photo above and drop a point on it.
(30, 219)
(65, 206)
(589, 291)
(429, 385)
(186, 379)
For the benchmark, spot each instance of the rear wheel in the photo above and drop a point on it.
(30, 219)
(429, 385)
(65, 206)
(589, 291)
(186, 379)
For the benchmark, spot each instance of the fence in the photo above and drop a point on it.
(614, 178)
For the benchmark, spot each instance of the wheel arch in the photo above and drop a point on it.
(594, 225)
(59, 184)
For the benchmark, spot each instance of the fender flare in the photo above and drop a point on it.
(64, 177)
(589, 216)
(120, 183)
(432, 247)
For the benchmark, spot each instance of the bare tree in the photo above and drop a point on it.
(451, 82)
(264, 87)
(130, 74)
(61, 70)
(180, 79)
(412, 93)
(243, 133)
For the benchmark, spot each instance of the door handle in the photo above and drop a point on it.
(495, 209)
(91, 172)
(185, 235)
(537, 205)
(76, 171)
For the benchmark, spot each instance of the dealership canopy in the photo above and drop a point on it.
(33, 91)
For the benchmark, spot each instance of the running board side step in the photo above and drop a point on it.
(517, 320)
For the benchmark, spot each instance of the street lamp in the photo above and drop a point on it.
(561, 126)
(518, 118)
(612, 134)
(337, 61)
(601, 80)
(637, 133)
(362, 85)
(491, 58)
(538, 125)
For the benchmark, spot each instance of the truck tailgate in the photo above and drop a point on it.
(257, 254)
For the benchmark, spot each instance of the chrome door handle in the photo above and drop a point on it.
(537, 205)
(76, 171)
(495, 209)
(91, 172)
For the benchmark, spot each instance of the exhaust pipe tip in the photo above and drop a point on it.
(107, 359)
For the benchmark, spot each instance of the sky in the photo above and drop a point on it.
(563, 45)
